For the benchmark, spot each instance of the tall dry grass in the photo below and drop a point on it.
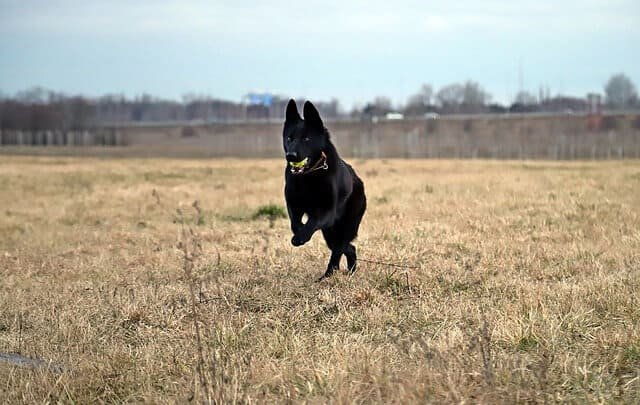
(156, 281)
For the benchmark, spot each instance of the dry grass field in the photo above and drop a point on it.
(159, 281)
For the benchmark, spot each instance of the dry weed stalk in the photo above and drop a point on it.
(209, 375)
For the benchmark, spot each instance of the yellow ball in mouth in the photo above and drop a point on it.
(299, 164)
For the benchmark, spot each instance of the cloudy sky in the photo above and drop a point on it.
(352, 50)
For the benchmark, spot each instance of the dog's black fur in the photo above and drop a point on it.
(331, 194)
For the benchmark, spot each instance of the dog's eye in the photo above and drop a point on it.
(288, 139)
(306, 139)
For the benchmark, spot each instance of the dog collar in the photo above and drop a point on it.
(321, 164)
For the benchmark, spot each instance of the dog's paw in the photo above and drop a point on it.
(298, 241)
(325, 276)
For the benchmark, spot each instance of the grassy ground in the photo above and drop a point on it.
(526, 287)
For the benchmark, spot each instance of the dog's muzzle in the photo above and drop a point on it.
(298, 167)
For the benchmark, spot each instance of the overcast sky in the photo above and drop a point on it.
(352, 50)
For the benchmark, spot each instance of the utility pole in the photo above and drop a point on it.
(520, 76)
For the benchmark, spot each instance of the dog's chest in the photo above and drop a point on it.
(309, 194)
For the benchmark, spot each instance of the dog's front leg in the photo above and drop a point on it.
(303, 234)
(313, 224)
(295, 217)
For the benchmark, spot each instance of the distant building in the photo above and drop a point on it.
(258, 98)
(258, 104)
(264, 105)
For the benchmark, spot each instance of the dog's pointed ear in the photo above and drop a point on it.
(311, 115)
(292, 114)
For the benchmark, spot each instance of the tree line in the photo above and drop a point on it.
(470, 98)
(39, 109)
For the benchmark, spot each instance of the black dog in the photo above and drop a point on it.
(321, 185)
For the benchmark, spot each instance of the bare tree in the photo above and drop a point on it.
(620, 91)
(378, 107)
(33, 95)
(383, 103)
(328, 109)
(420, 102)
(450, 97)
(525, 98)
(525, 102)
(423, 96)
(469, 97)
(474, 97)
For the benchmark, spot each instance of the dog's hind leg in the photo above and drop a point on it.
(334, 263)
(330, 237)
(350, 252)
